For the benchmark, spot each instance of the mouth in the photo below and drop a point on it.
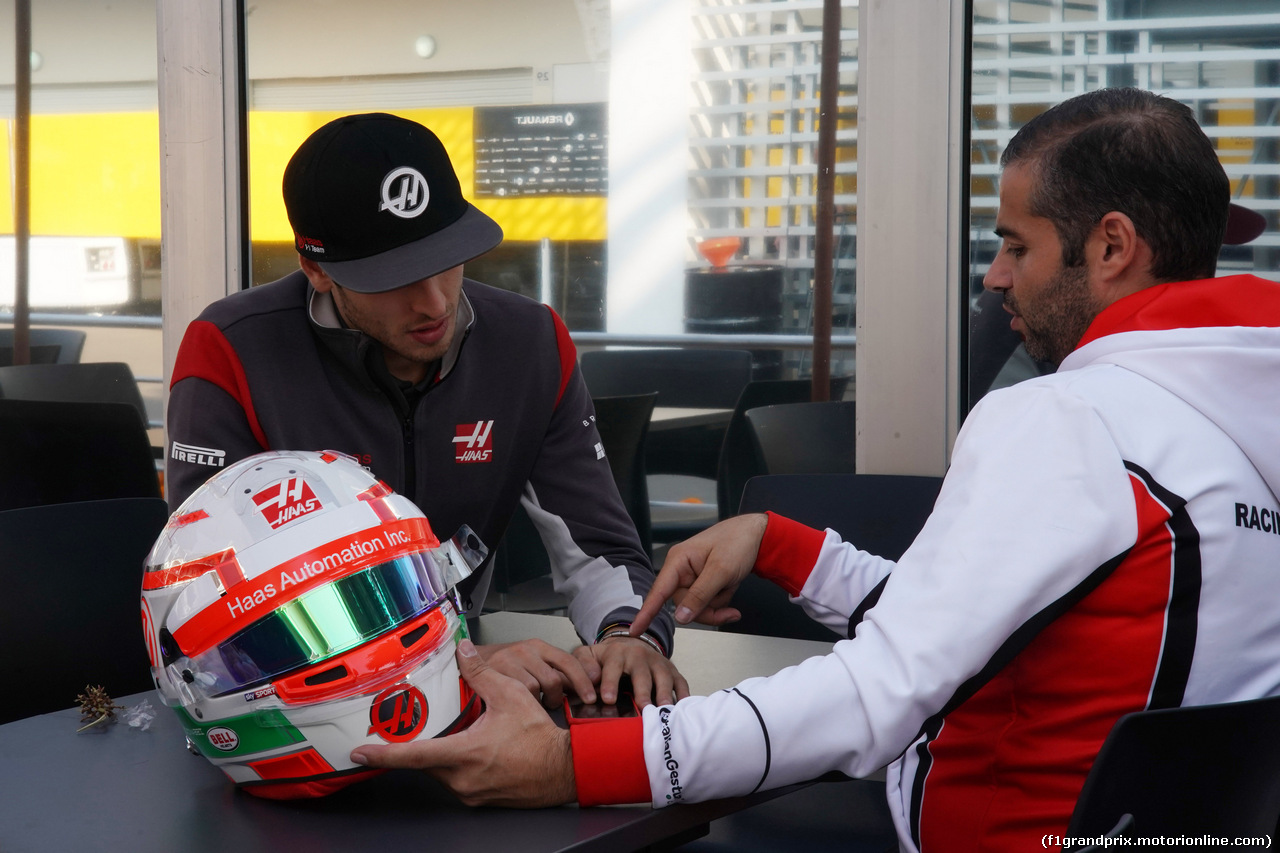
(1015, 317)
(1015, 321)
(430, 333)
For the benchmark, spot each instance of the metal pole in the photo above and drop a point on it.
(824, 239)
(22, 184)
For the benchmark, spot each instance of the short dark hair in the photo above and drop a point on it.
(1135, 152)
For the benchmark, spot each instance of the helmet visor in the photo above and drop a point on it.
(325, 621)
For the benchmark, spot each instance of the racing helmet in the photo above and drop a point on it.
(294, 608)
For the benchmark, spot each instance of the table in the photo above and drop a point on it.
(120, 789)
(679, 417)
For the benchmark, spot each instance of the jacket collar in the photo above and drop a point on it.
(353, 347)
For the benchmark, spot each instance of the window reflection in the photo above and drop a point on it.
(1222, 60)
(745, 136)
(94, 251)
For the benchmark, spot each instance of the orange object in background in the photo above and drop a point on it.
(718, 250)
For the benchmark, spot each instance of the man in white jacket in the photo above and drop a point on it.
(1105, 541)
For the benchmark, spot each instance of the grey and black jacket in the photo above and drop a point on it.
(507, 418)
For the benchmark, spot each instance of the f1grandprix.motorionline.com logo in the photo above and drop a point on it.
(471, 442)
(282, 502)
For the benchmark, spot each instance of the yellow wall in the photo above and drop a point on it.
(99, 174)
(91, 175)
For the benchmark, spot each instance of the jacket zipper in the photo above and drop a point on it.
(410, 462)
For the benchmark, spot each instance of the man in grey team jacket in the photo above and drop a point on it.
(465, 398)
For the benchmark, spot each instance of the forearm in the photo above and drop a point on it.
(829, 578)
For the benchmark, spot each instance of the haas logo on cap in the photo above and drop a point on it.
(282, 502)
(405, 192)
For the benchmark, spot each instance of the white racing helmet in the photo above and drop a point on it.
(295, 608)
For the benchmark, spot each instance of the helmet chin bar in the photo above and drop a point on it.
(459, 556)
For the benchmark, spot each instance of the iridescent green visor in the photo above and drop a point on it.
(336, 617)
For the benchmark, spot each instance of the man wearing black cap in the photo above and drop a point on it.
(463, 397)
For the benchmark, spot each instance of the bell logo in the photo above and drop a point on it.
(223, 738)
(471, 442)
(285, 501)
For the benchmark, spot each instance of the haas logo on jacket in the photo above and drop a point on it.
(471, 442)
(282, 502)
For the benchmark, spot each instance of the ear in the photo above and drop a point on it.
(319, 278)
(1116, 253)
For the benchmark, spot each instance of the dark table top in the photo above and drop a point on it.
(121, 789)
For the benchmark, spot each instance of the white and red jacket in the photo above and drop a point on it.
(1106, 540)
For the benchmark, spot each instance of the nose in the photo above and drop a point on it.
(997, 278)
(427, 297)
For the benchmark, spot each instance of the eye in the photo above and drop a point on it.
(1014, 250)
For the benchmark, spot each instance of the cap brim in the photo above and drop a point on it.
(1243, 225)
(470, 236)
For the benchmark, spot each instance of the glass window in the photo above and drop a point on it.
(1223, 60)
(587, 205)
(753, 174)
(94, 186)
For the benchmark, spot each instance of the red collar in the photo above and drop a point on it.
(1236, 300)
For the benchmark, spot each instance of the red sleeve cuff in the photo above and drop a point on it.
(608, 762)
(788, 552)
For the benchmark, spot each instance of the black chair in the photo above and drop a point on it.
(700, 379)
(705, 379)
(522, 568)
(682, 378)
(623, 424)
(1193, 771)
(879, 513)
(522, 571)
(72, 574)
(93, 382)
(59, 452)
(739, 458)
(46, 346)
(805, 438)
(1122, 829)
(738, 461)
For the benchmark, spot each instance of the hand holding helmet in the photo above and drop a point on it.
(514, 756)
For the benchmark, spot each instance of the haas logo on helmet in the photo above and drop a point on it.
(282, 502)
(398, 714)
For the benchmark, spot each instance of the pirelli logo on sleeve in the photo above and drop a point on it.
(207, 456)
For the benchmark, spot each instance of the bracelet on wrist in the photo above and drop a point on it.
(625, 631)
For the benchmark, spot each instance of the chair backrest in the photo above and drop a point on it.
(704, 378)
(1122, 829)
(879, 513)
(72, 574)
(56, 452)
(1208, 770)
(47, 346)
(739, 460)
(623, 423)
(93, 382)
(805, 438)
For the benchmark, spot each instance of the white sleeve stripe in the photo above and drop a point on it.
(594, 587)
(764, 731)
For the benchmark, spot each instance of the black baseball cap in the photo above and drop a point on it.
(374, 200)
